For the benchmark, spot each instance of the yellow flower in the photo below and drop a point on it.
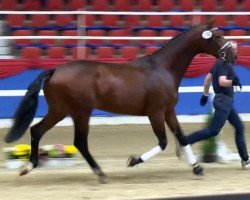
(21, 149)
(70, 149)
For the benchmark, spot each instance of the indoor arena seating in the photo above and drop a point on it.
(55, 5)
(244, 50)
(21, 43)
(46, 43)
(100, 5)
(109, 22)
(95, 43)
(117, 25)
(238, 33)
(121, 5)
(119, 33)
(31, 53)
(150, 50)
(15, 22)
(31, 5)
(127, 5)
(169, 33)
(40, 22)
(69, 43)
(129, 52)
(105, 52)
(76, 5)
(56, 52)
(220, 20)
(81, 52)
(150, 22)
(64, 22)
(241, 21)
(146, 33)
(208, 5)
(9, 5)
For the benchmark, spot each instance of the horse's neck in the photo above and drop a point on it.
(177, 57)
(180, 65)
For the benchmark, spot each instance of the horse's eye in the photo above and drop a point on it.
(218, 36)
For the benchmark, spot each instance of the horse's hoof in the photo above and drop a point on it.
(198, 170)
(27, 168)
(103, 179)
(132, 161)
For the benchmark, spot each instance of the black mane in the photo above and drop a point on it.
(174, 38)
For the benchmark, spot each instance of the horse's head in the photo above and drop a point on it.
(213, 43)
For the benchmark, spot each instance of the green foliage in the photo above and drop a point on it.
(209, 146)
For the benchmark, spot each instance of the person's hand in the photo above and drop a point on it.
(203, 100)
(236, 82)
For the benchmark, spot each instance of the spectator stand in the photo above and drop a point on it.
(94, 29)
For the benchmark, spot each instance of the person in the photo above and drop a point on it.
(223, 79)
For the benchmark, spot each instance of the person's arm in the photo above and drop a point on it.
(207, 83)
(224, 82)
(206, 86)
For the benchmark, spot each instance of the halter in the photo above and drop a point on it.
(222, 52)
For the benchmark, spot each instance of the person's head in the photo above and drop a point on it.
(234, 45)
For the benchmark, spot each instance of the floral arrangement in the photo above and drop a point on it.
(22, 151)
(209, 146)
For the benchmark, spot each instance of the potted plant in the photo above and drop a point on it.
(209, 146)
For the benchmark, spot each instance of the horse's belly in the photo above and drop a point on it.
(125, 105)
(123, 110)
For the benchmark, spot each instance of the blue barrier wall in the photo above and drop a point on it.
(188, 102)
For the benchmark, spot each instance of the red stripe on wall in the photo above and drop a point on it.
(9, 67)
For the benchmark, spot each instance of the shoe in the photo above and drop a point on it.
(245, 164)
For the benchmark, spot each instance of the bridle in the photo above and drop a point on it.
(222, 51)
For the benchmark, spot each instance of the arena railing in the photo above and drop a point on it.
(82, 37)
(113, 13)
(83, 12)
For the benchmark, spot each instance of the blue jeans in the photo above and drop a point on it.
(224, 111)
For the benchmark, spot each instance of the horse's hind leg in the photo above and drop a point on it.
(37, 131)
(81, 122)
(158, 125)
(172, 122)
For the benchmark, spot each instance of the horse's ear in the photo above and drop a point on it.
(210, 23)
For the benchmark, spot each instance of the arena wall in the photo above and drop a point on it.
(12, 89)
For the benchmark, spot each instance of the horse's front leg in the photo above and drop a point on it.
(81, 123)
(157, 123)
(174, 126)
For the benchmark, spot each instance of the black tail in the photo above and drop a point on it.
(27, 108)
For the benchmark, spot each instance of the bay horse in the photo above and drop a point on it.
(147, 86)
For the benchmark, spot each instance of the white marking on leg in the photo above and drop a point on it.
(189, 155)
(28, 167)
(146, 156)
